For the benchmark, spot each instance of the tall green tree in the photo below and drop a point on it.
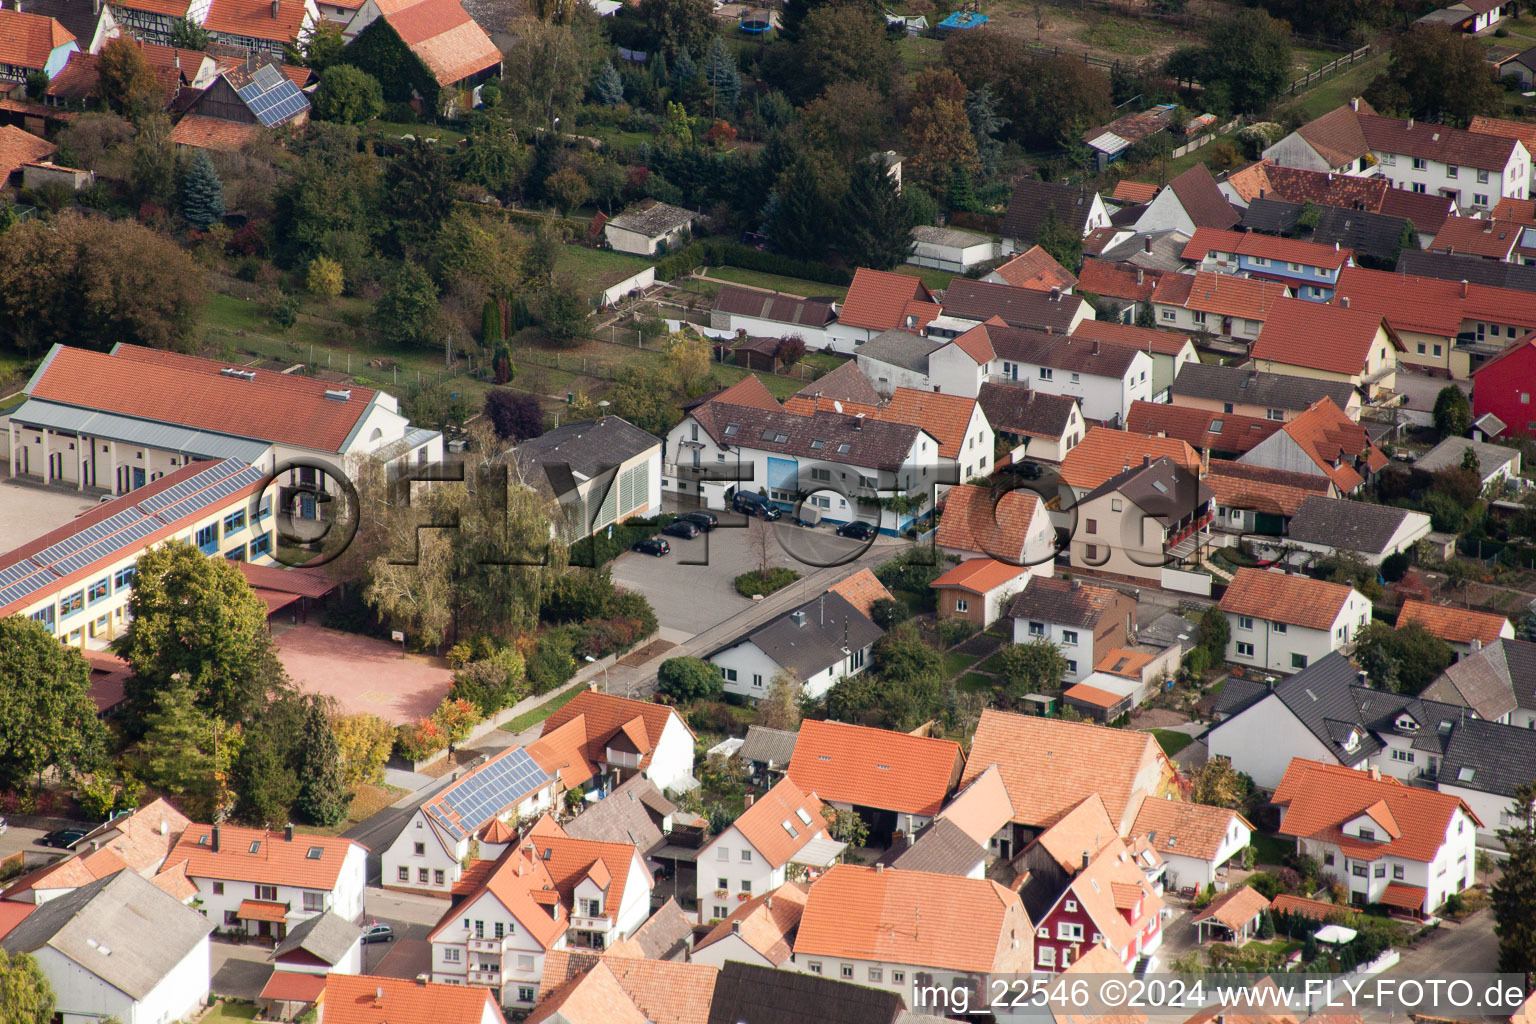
(1405, 659)
(320, 49)
(609, 87)
(152, 172)
(323, 798)
(678, 26)
(1513, 895)
(876, 223)
(47, 717)
(802, 215)
(419, 193)
(1435, 72)
(187, 34)
(721, 76)
(196, 617)
(187, 752)
(202, 192)
(349, 95)
(845, 41)
(1248, 55)
(546, 71)
(1035, 667)
(981, 109)
(25, 995)
(124, 81)
(1064, 244)
(265, 772)
(407, 313)
(491, 156)
(1453, 413)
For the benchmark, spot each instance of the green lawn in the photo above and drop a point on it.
(398, 129)
(975, 682)
(598, 269)
(1333, 91)
(918, 52)
(1272, 849)
(995, 662)
(955, 663)
(533, 717)
(826, 362)
(779, 387)
(230, 1011)
(1171, 742)
(778, 283)
(934, 279)
(366, 802)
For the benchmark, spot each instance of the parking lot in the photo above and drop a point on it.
(693, 587)
(28, 511)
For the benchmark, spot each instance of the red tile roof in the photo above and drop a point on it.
(1036, 268)
(867, 767)
(1454, 625)
(1481, 236)
(1525, 131)
(1337, 136)
(979, 575)
(946, 417)
(1321, 337)
(1113, 891)
(443, 35)
(749, 391)
(256, 19)
(1319, 799)
(975, 519)
(1103, 453)
(767, 923)
(1226, 295)
(1250, 182)
(604, 714)
(1202, 201)
(861, 590)
(1117, 281)
(27, 40)
(1194, 830)
(276, 860)
(1286, 903)
(584, 988)
(1239, 485)
(18, 147)
(1134, 192)
(1093, 695)
(1201, 428)
(1147, 339)
(293, 987)
(353, 999)
(12, 913)
(1285, 597)
(1236, 908)
(571, 861)
(214, 133)
(762, 824)
(877, 298)
(1273, 247)
(192, 392)
(1436, 142)
(1336, 443)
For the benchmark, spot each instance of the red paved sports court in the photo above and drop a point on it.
(363, 674)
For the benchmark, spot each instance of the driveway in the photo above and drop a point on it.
(239, 969)
(1453, 948)
(1422, 389)
(27, 511)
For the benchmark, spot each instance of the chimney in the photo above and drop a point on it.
(1361, 678)
(421, 979)
(275, 5)
(735, 927)
(1055, 293)
(165, 827)
(1146, 244)
(1375, 774)
(1344, 302)
(1095, 346)
(1477, 644)
(288, 832)
(1077, 584)
(1463, 287)
(1085, 860)
(749, 798)
(1354, 103)
(1410, 124)
(378, 994)
(879, 868)
(1146, 460)
(215, 839)
(769, 901)
(1261, 191)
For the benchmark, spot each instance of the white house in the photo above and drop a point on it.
(1324, 525)
(818, 643)
(601, 472)
(1495, 462)
(1084, 621)
(1196, 841)
(1283, 623)
(759, 931)
(255, 882)
(599, 740)
(950, 248)
(550, 892)
(1322, 441)
(1036, 425)
(649, 227)
(429, 853)
(1077, 210)
(1403, 846)
(764, 314)
(324, 944)
(1466, 630)
(782, 827)
(118, 947)
(1190, 200)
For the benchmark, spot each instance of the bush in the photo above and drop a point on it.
(952, 631)
(698, 254)
(551, 662)
(887, 612)
(600, 549)
(1394, 567)
(1265, 884)
(750, 584)
(577, 596)
(492, 684)
(685, 679)
(420, 741)
(515, 415)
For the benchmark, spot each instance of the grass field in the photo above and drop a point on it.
(1272, 849)
(975, 682)
(368, 801)
(225, 1012)
(775, 282)
(1171, 742)
(1334, 91)
(955, 663)
(932, 278)
(533, 717)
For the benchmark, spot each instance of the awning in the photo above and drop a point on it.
(274, 600)
(1404, 897)
(260, 910)
(821, 852)
(293, 987)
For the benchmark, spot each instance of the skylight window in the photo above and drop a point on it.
(1159, 487)
(818, 444)
(731, 428)
(315, 852)
(202, 840)
(1465, 775)
(768, 434)
(790, 829)
(802, 815)
(844, 448)
(255, 845)
(780, 437)
(1215, 426)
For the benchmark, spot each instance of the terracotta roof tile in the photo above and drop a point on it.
(1103, 453)
(767, 923)
(18, 147)
(1320, 798)
(1193, 830)
(592, 997)
(571, 861)
(256, 19)
(1525, 131)
(1115, 893)
(863, 913)
(1334, 442)
(1134, 192)
(1201, 428)
(276, 860)
(604, 714)
(12, 913)
(763, 823)
(844, 384)
(876, 299)
(1321, 337)
(1285, 597)
(1337, 136)
(1250, 182)
(1295, 185)
(1273, 247)
(522, 885)
(27, 40)
(1246, 297)
(1235, 909)
(353, 999)
(1036, 268)
(1487, 237)
(664, 991)
(293, 987)
(71, 873)
(1203, 202)
(749, 391)
(982, 807)
(1121, 662)
(446, 39)
(1436, 142)
(976, 519)
(1085, 828)
(874, 767)
(1117, 281)
(214, 133)
(979, 575)
(1050, 766)
(1455, 625)
(1286, 903)
(1094, 695)
(1235, 485)
(861, 590)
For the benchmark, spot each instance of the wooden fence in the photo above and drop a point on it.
(1331, 68)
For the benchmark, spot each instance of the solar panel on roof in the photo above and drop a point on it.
(267, 76)
(195, 482)
(88, 536)
(273, 103)
(211, 494)
(16, 591)
(20, 570)
(117, 541)
(479, 797)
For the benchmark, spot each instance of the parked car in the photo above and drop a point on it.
(654, 546)
(4, 825)
(705, 521)
(755, 505)
(1028, 470)
(858, 530)
(378, 932)
(63, 838)
(682, 528)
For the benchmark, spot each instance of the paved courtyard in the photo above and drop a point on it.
(28, 511)
(363, 674)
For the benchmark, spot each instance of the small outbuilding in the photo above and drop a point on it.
(1232, 917)
(950, 248)
(649, 227)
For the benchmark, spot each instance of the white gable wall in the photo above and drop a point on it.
(82, 997)
(1262, 740)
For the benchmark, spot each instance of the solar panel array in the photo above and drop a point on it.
(273, 102)
(121, 529)
(483, 795)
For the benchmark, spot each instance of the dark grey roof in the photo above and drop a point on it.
(624, 816)
(900, 348)
(1069, 602)
(667, 935)
(773, 306)
(1238, 695)
(1369, 234)
(812, 637)
(326, 936)
(1160, 250)
(824, 436)
(1432, 722)
(1321, 698)
(1349, 525)
(1168, 629)
(843, 384)
(1019, 307)
(1492, 682)
(1017, 409)
(750, 994)
(586, 448)
(942, 848)
(652, 218)
(1032, 199)
(1449, 453)
(768, 746)
(1161, 488)
(1084, 355)
(80, 17)
(1489, 758)
(121, 928)
(1271, 216)
(1252, 387)
(1451, 267)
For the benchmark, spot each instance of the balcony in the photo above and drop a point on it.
(621, 758)
(493, 946)
(688, 471)
(492, 978)
(589, 924)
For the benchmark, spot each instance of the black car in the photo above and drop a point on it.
(1027, 470)
(378, 933)
(651, 546)
(682, 528)
(857, 530)
(63, 838)
(755, 505)
(705, 521)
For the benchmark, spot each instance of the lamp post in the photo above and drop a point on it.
(593, 661)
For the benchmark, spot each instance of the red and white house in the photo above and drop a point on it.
(1109, 902)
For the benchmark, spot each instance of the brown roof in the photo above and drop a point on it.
(1193, 830)
(214, 133)
(868, 442)
(1018, 307)
(18, 147)
(1050, 765)
(772, 306)
(1236, 909)
(946, 417)
(443, 35)
(861, 590)
(1197, 193)
(976, 519)
(1016, 409)
(1320, 798)
(1201, 428)
(1437, 142)
(1336, 443)
(27, 40)
(763, 824)
(855, 764)
(1226, 295)
(1525, 131)
(1103, 453)
(767, 923)
(1337, 136)
(1454, 625)
(844, 384)
(1477, 236)
(1319, 336)
(1070, 602)
(1240, 485)
(663, 991)
(1074, 352)
(877, 298)
(1425, 210)
(868, 914)
(1285, 597)
(1117, 281)
(1134, 192)
(1036, 268)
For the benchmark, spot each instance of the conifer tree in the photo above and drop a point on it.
(801, 215)
(876, 221)
(684, 71)
(1513, 896)
(202, 193)
(609, 87)
(323, 798)
(722, 76)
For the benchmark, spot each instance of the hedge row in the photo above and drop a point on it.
(729, 254)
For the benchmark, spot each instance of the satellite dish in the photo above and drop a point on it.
(838, 406)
